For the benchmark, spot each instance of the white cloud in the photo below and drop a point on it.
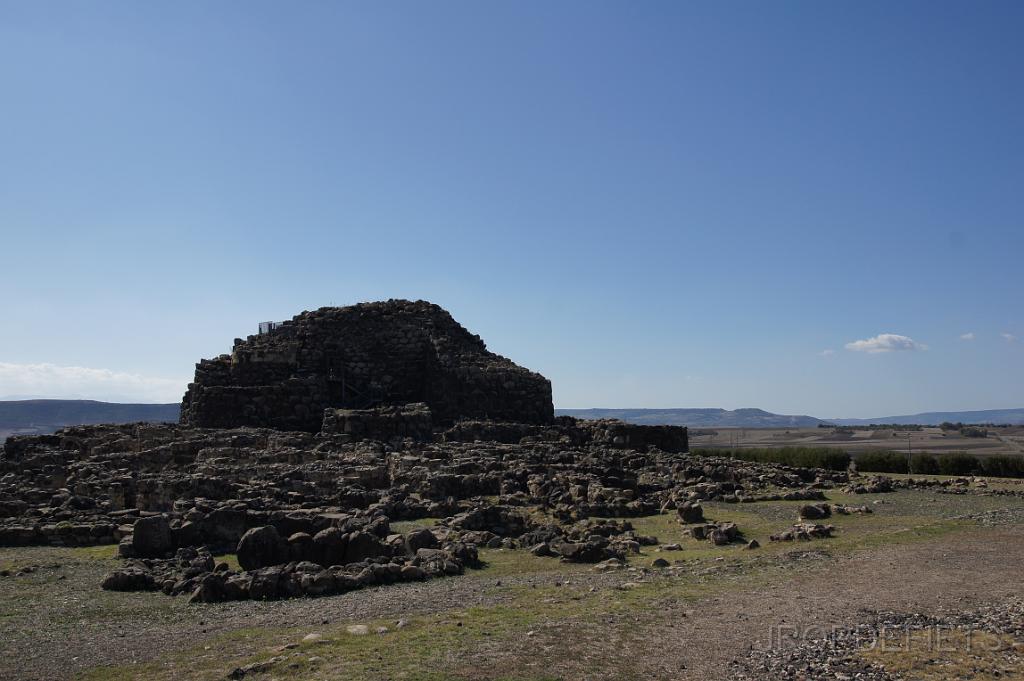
(50, 380)
(885, 342)
(826, 353)
(1008, 336)
(967, 336)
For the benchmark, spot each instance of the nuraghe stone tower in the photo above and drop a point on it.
(367, 355)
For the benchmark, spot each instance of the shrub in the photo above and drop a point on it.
(881, 462)
(1003, 466)
(924, 464)
(958, 463)
(802, 457)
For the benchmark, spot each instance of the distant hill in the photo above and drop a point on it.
(46, 416)
(697, 418)
(758, 418)
(934, 418)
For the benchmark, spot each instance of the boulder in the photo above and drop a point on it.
(210, 590)
(329, 547)
(262, 547)
(804, 532)
(815, 511)
(591, 551)
(542, 549)
(129, 579)
(420, 539)
(362, 546)
(300, 546)
(264, 585)
(690, 513)
(412, 572)
(152, 537)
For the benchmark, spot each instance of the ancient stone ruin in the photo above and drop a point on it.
(360, 357)
(308, 449)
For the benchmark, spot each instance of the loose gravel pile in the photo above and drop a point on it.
(838, 654)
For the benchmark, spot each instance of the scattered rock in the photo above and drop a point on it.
(804, 532)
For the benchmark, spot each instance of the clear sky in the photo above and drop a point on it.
(654, 204)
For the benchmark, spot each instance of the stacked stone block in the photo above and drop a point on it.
(358, 357)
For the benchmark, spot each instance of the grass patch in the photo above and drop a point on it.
(103, 552)
(229, 558)
(404, 526)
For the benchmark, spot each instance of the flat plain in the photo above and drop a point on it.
(929, 439)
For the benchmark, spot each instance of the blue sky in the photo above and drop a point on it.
(654, 204)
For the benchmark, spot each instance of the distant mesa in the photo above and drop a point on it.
(758, 418)
(362, 356)
(697, 418)
(39, 417)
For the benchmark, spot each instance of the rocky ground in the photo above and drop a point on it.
(313, 515)
(713, 613)
(480, 550)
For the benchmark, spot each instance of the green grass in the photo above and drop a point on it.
(104, 552)
(229, 558)
(403, 526)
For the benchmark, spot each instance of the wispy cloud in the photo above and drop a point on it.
(969, 336)
(827, 352)
(886, 342)
(1009, 337)
(50, 380)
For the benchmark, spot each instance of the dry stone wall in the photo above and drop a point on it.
(362, 356)
(383, 423)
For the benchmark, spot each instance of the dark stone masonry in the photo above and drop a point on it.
(360, 357)
(304, 450)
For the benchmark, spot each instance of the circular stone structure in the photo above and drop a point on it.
(358, 357)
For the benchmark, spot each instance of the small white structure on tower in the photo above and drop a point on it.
(267, 327)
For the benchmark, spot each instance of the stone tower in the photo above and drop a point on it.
(365, 355)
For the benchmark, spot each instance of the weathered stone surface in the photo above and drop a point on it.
(362, 545)
(383, 423)
(815, 511)
(329, 546)
(804, 532)
(420, 539)
(388, 353)
(152, 537)
(690, 513)
(129, 579)
(262, 547)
